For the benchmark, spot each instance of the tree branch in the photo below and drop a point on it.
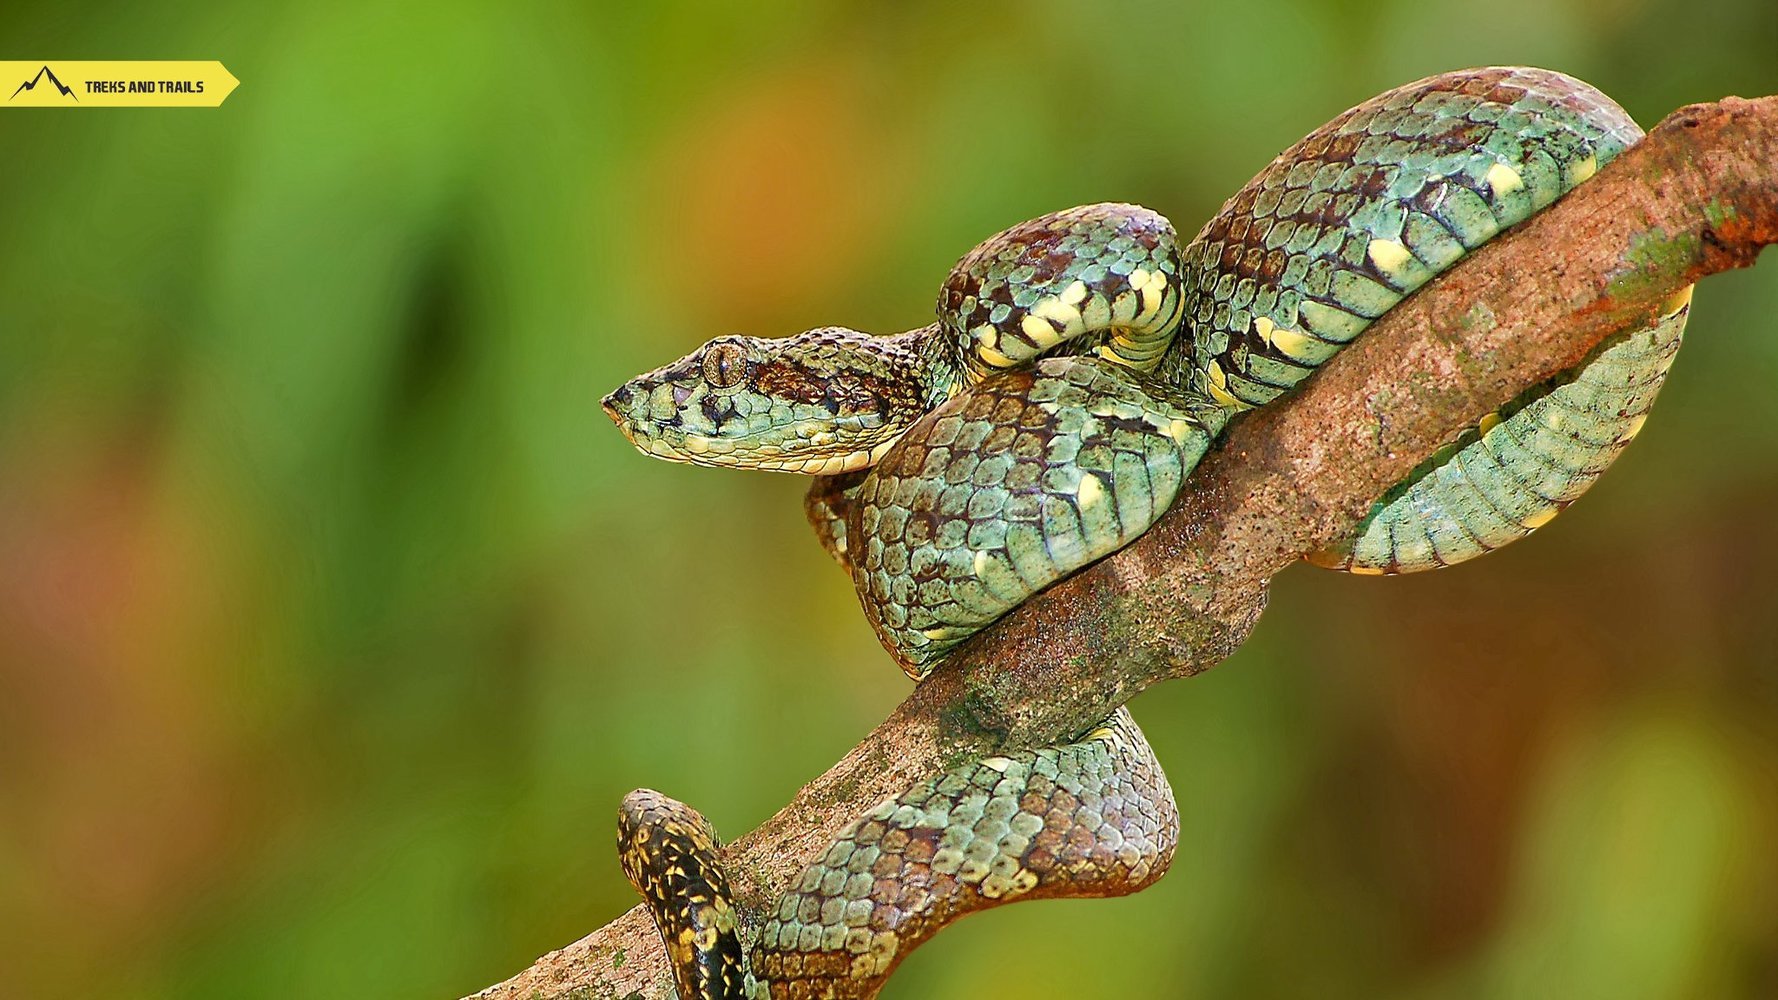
(1697, 196)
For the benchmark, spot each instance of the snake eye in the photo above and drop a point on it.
(724, 364)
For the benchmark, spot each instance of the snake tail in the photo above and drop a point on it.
(1094, 817)
(669, 852)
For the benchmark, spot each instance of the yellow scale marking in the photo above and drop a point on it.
(1219, 388)
(1089, 492)
(1152, 286)
(982, 561)
(1179, 430)
(994, 358)
(1293, 344)
(1503, 179)
(1059, 310)
(1539, 519)
(1391, 256)
(1039, 330)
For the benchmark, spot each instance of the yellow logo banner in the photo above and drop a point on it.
(136, 83)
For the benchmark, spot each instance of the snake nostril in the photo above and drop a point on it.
(611, 403)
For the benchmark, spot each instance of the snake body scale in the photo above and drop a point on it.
(1081, 365)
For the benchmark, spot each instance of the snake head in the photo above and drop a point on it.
(822, 402)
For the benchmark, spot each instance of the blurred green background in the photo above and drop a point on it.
(335, 618)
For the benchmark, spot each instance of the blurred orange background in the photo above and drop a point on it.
(335, 618)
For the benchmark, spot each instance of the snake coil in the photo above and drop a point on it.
(1082, 363)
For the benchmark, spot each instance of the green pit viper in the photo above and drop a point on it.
(1081, 365)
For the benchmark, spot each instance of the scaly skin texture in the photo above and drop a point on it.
(1518, 469)
(1366, 209)
(1092, 818)
(1082, 364)
(669, 853)
(1097, 269)
(823, 402)
(1330, 235)
(1009, 487)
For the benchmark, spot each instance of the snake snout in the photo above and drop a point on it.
(614, 403)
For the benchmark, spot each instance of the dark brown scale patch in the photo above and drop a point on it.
(858, 391)
(1329, 215)
(1460, 134)
(1506, 94)
(1342, 148)
(786, 381)
(1273, 266)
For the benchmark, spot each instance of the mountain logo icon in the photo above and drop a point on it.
(32, 83)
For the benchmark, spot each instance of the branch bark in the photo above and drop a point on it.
(1697, 196)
